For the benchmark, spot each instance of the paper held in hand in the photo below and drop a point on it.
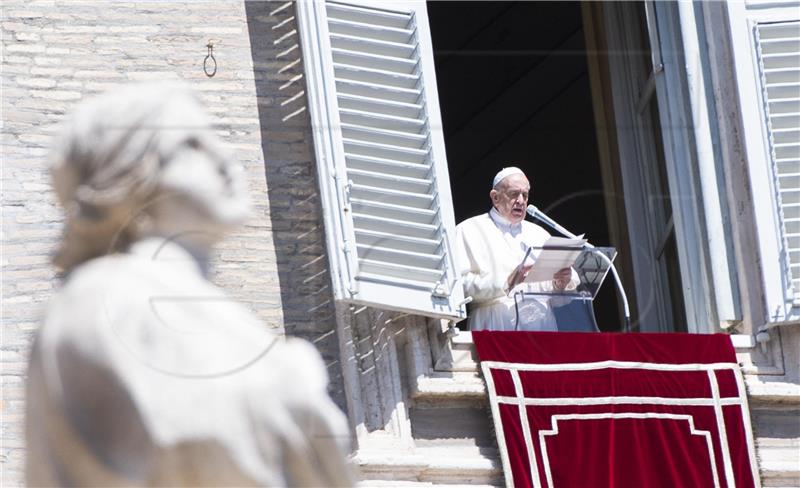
(555, 254)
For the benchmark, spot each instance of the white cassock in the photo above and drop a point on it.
(488, 248)
(146, 374)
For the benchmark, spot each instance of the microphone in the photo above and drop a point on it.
(539, 215)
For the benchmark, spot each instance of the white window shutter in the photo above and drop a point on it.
(380, 155)
(778, 50)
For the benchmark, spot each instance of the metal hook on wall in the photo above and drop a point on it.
(209, 62)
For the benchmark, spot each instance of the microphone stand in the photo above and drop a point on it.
(538, 214)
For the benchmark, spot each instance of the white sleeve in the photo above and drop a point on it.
(479, 279)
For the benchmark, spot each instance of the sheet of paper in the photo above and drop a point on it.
(557, 253)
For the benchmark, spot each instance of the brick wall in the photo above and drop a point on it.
(57, 52)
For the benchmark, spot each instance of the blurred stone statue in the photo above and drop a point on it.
(143, 372)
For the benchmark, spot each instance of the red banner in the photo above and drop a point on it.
(618, 410)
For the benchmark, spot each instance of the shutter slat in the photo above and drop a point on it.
(784, 106)
(379, 106)
(383, 136)
(413, 229)
(789, 85)
(787, 151)
(782, 39)
(790, 195)
(788, 167)
(372, 178)
(790, 91)
(338, 19)
(380, 270)
(387, 254)
(387, 151)
(381, 121)
(780, 46)
(791, 98)
(786, 136)
(395, 197)
(395, 281)
(405, 66)
(782, 75)
(776, 71)
(405, 243)
(380, 77)
(780, 30)
(375, 17)
(391, 211)
(782, 60)
(786, 120)
(390, 34)
(371, 46)
(405, 95)
(387, 165)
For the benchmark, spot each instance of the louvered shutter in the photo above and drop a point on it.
(380, 155)
(778, 49)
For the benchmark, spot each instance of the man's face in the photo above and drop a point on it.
(510, 198)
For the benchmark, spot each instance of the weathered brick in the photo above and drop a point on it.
(16, 59)
(56, 94)
(54, 72)
(55, 51)
(24, 14)
(27, 36)
(36, 286)
(25, 48)
(35, 82)
(99, 73)
(47, 61)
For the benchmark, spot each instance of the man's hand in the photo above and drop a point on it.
(562, 278)
(517, 276)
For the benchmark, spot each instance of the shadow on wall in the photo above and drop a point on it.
(293, 190)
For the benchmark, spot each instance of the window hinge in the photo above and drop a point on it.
(441, 290)
(763, 335)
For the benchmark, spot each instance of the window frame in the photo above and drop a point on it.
(705, 251)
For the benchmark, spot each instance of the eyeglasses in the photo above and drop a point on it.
(514, 194)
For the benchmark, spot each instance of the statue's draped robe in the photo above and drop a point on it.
(144, 373)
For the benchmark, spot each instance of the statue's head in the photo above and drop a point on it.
(143, 161)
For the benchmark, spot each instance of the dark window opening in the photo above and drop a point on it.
(513, 87)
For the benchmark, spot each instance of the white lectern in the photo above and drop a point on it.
(573, 308)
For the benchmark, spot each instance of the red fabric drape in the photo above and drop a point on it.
(618, 410)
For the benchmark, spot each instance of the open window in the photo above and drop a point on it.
(380, 145)
(672, 176)
(380, 155)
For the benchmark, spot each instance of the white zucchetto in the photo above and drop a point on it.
(505, 172)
